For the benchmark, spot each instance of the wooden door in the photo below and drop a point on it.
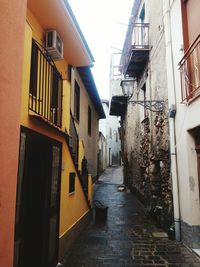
(38, 194)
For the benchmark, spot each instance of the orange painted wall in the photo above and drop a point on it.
(191, 23)
(193, 8)
(12, 23)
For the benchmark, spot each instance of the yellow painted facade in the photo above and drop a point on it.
(90, 188)
(72, 206)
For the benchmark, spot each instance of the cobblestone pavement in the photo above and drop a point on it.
(112, 175)
(127, 238)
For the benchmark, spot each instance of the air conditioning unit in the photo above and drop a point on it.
(54, 44)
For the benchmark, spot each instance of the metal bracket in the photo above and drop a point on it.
(153, 105)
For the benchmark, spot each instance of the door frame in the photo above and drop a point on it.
(50, 142)
(198, 165)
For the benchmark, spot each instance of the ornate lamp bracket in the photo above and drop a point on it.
(152, 105)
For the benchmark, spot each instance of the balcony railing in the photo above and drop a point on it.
(45, 92)
(190, 72)
(140, 36)
(74, 140)
(136, 51)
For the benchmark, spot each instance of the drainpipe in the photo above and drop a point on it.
(172, 102)
(109, 156)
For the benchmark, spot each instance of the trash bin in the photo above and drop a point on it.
(171, 232)
(101, 211)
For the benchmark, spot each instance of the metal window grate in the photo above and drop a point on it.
(190, 72)
(45, 91)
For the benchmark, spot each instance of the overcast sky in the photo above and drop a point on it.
(104, 25)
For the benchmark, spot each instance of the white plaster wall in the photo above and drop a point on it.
(187, 117)
(102, 147)
(115, 88)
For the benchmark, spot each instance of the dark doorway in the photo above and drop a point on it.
(38, 196)
(109, 156)
(196, 134)
(198, 162)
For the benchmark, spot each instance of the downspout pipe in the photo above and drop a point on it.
(172, 102)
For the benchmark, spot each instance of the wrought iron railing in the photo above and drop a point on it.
(45, 92)
(140, 36)
(190, 72)
(73, 139)
(137, 44)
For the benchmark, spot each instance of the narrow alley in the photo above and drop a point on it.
(88, 86)
(128, 237)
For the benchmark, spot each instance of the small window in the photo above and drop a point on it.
(76, 101)
(89, 120)
(72, 182)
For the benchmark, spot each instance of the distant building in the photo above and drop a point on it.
(102, 154)
(109, 128)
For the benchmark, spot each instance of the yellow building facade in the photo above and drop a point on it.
(52, 205)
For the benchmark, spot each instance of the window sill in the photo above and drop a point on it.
(192, 99)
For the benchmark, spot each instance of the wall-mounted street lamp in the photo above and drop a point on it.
(128, 84)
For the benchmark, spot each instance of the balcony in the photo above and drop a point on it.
(118, 105)
(45, 91)
(137, 50)
(190, 72)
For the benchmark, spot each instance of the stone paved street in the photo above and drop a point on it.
(112, 175)
(128, 237)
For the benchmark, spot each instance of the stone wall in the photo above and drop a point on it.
(190, 235)
(146, 139)
(148, 168)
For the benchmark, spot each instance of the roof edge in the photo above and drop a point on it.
(89, 83)
(68, 7)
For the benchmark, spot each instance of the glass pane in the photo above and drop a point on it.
(52, 238)
(55, 175)
(20, 174)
